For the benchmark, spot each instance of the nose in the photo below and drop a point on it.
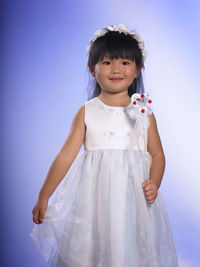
(115, 67)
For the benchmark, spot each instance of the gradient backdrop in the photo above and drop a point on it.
(44, 81)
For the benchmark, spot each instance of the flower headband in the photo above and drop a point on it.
(121, 28)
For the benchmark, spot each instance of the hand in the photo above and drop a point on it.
(150, 190)
(39, 210)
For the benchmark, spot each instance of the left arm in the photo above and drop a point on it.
(154, 147)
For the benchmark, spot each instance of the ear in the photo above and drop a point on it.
(137, 71)
(91, 68)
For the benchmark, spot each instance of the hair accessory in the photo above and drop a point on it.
(134, 101)
(121, 28)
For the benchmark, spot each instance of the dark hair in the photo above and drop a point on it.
(116, 45)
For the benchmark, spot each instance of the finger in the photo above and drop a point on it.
(151, 201)
(35, 219)
(145, 183)
(151, 186)
(149, 194)
(40, 218)
(148, 188)
(35, 215)
(41, 215)
(151, 190)
(152, 196)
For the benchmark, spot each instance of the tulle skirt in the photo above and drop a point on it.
(98, 215)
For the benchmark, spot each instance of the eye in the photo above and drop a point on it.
(106, 62)
(125, 62)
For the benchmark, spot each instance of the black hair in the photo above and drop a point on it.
(116, 45)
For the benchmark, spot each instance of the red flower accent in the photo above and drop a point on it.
(142, 110)
(134, 102)
(149, 101)
(142, 96)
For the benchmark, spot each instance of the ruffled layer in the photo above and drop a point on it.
(98, 216)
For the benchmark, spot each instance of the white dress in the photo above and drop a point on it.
(98, 215)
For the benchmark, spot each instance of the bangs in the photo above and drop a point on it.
(115, 45)
(117, 52)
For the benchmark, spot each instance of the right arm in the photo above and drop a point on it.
(61, 164)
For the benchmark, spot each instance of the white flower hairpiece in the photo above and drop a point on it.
(121, 28)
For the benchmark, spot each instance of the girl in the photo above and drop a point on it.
(107, 210)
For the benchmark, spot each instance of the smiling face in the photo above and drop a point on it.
(115, 75)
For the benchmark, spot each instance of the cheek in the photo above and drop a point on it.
(101, 73)
(131, 74)
(98, 70)
(99, 76)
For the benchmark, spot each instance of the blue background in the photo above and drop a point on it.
(44, 81)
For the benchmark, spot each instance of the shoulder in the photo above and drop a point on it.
(152, 119)
(89, 103)
(84, 111)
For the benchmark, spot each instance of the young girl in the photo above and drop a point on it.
(107, 210)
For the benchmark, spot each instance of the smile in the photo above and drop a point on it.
(116, 79)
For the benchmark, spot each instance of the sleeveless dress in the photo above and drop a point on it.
(98, 215)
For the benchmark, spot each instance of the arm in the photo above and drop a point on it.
(154, 147)
(61, 164)
(66, 155)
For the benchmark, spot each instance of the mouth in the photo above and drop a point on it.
(116, 79)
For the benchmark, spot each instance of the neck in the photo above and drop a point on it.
(121, 98)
